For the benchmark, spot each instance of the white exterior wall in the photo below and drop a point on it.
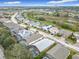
(43, 44)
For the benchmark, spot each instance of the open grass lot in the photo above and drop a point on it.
(51, 18)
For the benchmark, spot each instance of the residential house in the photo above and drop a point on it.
(33, 37)
(43, 43)
(54, 30)
(65, 33)
(59, 52)
(24, 34)
(32, 23)
(46, 27)
(19, 18)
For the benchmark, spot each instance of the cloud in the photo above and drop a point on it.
(62, 1)
(12, 2)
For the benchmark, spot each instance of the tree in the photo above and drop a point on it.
(5, 37)
(8, 42)
(72, 39)
(41, 18)
(18, 52)
(56, 14)
(72, 52)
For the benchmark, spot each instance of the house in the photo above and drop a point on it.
(75, 56)
(46, 27)
(32, 23)
(38, 45)
(76, 34)
(27, 35)
(12, 26)
(19, 18)
(65, 33)
(59, 52)
(33, 37)
(24, 34)
(43, 43)
(35, 24)
(27, 22)
(54, 30)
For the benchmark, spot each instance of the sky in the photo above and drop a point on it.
(39, 2)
